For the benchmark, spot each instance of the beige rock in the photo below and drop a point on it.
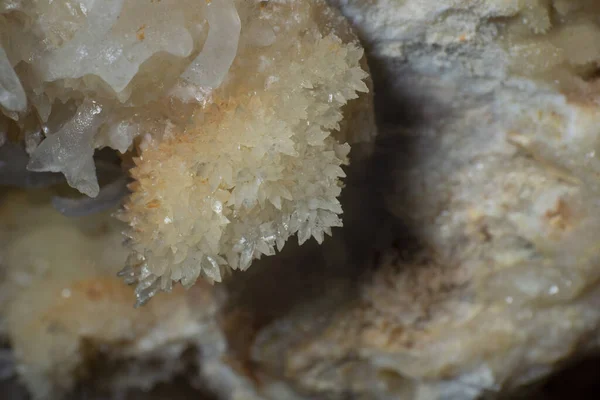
(490, 139)
(258, 162)
(66, 312)
(494, 136)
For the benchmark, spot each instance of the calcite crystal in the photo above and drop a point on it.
(257, 165)
(475, 275)
(230, 113)
(230, 119)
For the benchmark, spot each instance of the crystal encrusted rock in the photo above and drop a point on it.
(229, 112)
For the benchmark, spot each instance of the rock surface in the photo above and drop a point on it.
(468, 265)
(492, 120)
(66, 315)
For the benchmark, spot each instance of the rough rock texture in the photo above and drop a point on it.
(496, 181)
(65, 312)
(481, 274)
(71, 325)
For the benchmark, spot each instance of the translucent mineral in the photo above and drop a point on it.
(227, 124)
(477, 276)
(228, 115)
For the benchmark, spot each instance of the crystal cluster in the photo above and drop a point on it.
(468, 266)
(229, 114)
